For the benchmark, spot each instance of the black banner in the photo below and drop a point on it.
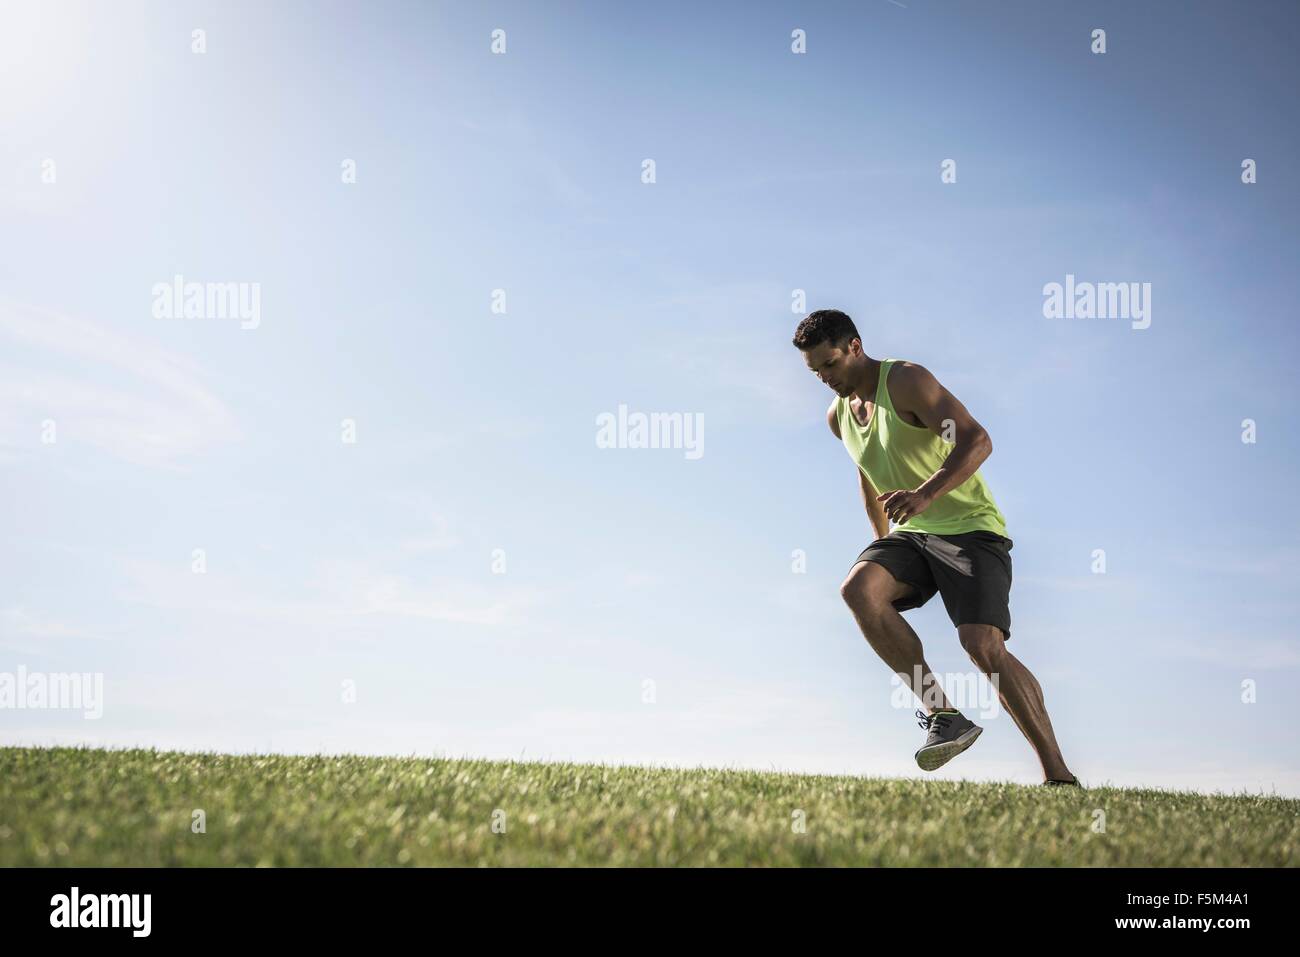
(331, 906)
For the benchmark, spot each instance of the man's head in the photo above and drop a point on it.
(832, 349)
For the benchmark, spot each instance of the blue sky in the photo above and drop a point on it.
(372, 562)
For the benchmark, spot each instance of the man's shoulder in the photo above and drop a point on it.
(912, 390)
(906, 369)
(908, 377)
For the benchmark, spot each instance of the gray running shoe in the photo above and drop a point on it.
(950, 733)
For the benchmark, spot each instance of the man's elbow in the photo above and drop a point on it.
(979, 443)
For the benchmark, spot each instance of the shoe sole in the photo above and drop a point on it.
(936, 757)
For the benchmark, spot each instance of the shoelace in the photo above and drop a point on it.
(932, 722)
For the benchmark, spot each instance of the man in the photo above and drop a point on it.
(918, 452)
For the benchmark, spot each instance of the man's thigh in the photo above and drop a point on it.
(894, 569)
(973, 574)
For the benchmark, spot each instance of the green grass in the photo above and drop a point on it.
(72, 806)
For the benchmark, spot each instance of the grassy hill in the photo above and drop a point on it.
(71, 806)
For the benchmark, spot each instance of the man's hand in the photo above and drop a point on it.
(901, 505)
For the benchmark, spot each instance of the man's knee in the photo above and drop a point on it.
(984, 644)
(868, 590)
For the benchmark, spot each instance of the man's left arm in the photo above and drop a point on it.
(917, 391)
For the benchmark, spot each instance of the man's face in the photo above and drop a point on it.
(834, 365)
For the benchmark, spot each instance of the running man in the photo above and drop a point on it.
(918, 452)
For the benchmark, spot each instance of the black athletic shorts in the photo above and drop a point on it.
(972, 572)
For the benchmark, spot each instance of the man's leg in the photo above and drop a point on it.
(870, 591)
(1021, 694)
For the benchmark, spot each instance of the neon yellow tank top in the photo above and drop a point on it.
(895, 454)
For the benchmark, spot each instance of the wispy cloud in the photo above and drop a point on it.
(338, 594)
(1276, 564)
(433, 528)
(123, 395)
(17, 620)
(1111, 584)
(30, 633)
(1241, 652)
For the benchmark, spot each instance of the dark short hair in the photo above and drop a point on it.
(824, 325)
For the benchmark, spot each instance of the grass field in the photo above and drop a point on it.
(68, 806)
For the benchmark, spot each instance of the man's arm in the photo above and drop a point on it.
(875, 511)
(913, 389)
(833, 421)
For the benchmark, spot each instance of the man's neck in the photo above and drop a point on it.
(866, 389)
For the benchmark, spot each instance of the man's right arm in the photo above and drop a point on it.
(875, 511)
